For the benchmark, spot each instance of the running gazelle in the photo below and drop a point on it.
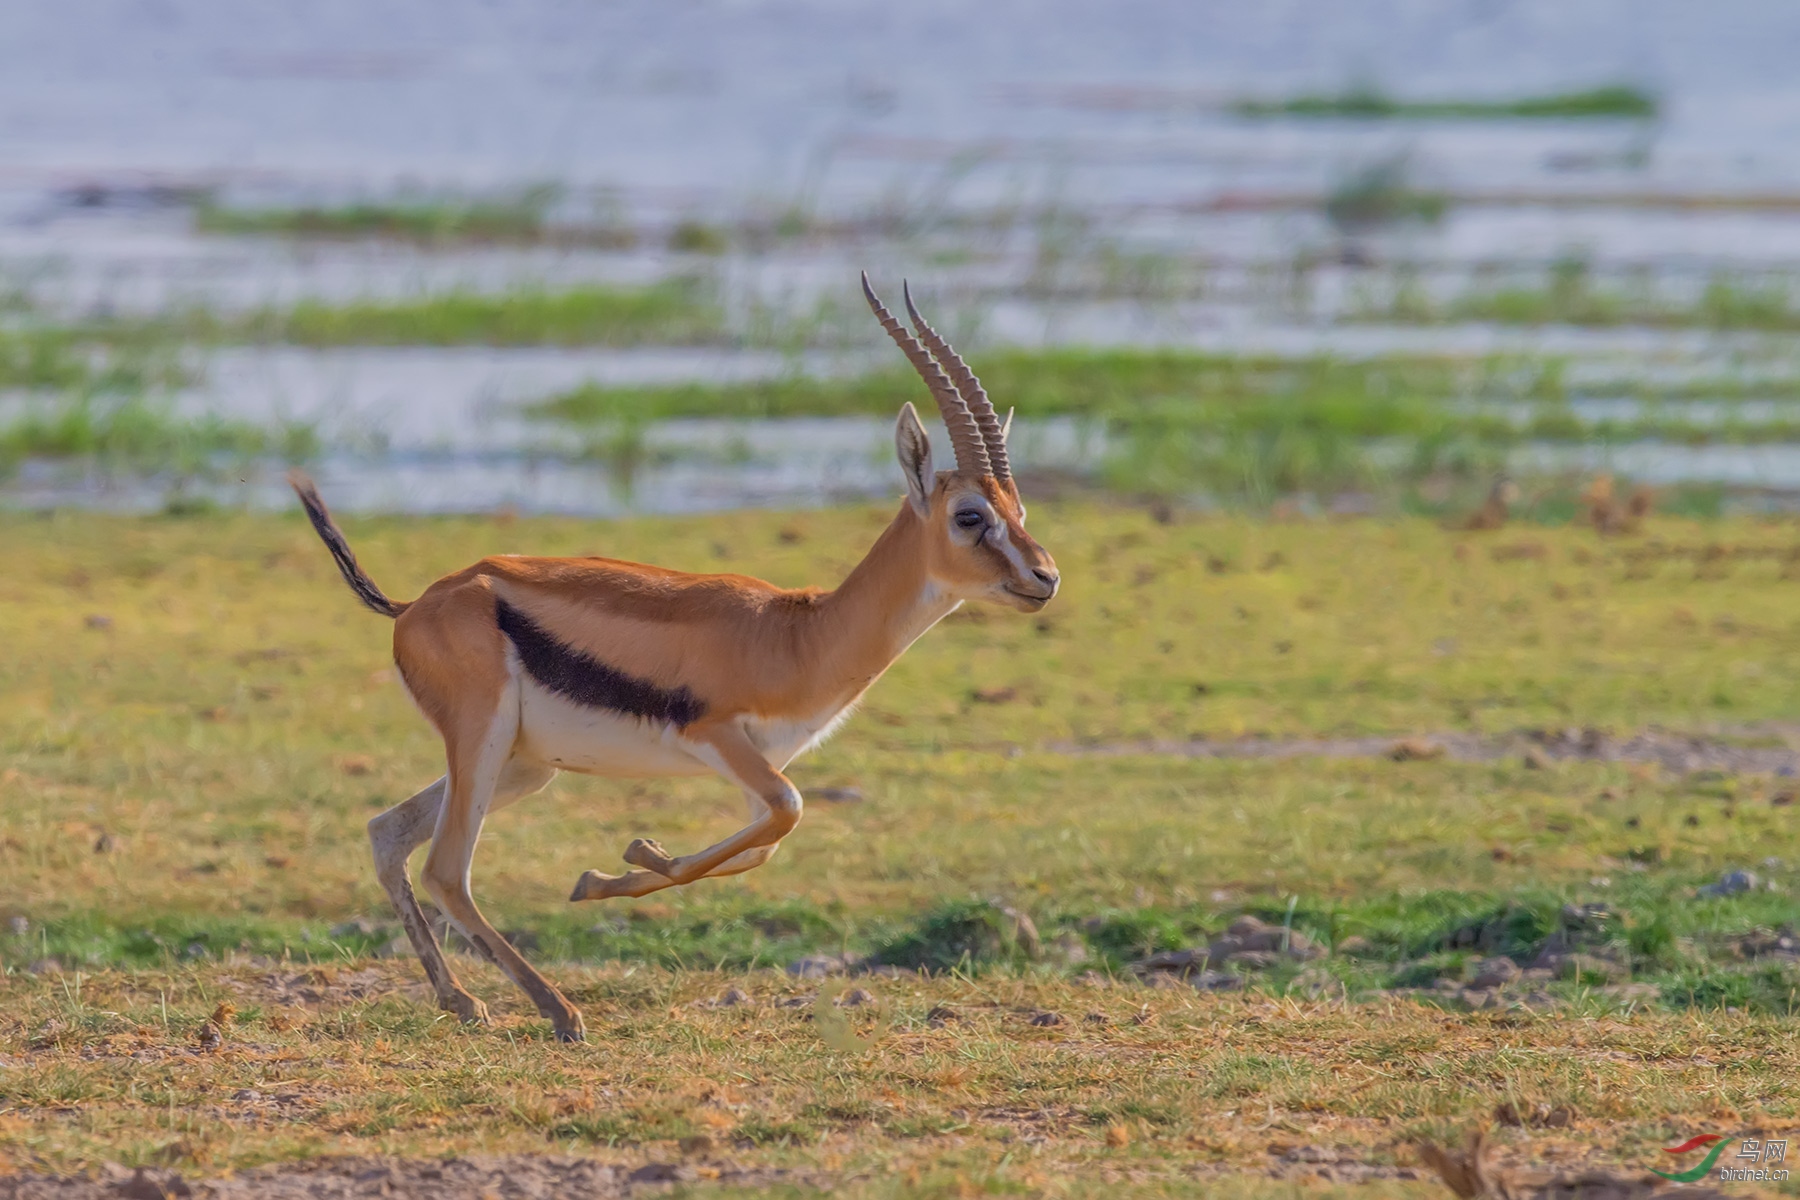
(528, 666)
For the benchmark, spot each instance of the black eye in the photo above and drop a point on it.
(968, 518)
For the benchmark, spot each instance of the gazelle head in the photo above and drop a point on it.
(976, 544)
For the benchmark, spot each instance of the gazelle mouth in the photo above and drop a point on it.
(1040, 601)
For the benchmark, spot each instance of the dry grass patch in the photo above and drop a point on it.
(1152, 1085)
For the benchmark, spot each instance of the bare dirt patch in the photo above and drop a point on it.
(322, 986)
(1767, 749)
(512, 1177)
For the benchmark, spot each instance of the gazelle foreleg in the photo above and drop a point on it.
(477, 764)
(595, 886)
(396, 833)
(775, 807)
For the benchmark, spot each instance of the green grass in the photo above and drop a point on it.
(698, 237)
(1665, 936)
(415, 222)
(674, 312)
(97, 398)
(1183, 422)
(671, 313)
(1234, 429)
(1369, 103)
(232, 674)
(42, 359)
(141, 434)
(233, 722)
(1113, 384)
(519, 220)
(1383, 193)
(39, 360)
(1240, 428)
(1571, 296)
(1180, 424)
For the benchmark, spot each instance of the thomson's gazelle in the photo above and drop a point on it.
(528, 666)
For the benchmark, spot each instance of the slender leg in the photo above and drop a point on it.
(594, 886)
(775, 810)
(476, 764)
(396, 833)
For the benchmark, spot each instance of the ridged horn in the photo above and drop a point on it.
(965, 435)
(993, 436)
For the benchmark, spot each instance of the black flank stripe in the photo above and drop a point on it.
(588, 681)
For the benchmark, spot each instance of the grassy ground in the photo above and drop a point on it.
(198, 720)
(1156, 1091)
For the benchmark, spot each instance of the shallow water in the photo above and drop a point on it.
(1110, 114)
(711, 465)
(691, 102)
(426, 399)
(681, 466)
(1145, 213)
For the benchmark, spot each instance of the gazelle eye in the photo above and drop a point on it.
(968, 518)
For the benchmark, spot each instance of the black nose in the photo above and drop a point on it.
(1048, 578)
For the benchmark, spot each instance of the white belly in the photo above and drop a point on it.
(781, 741)
(573, 737)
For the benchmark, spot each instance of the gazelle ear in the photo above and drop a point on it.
(1006, 429)
(914, 449)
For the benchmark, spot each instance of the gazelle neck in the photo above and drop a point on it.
(882, 606)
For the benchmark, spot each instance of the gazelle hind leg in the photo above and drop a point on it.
(396, 833)
(478, 758)
(775, 807)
